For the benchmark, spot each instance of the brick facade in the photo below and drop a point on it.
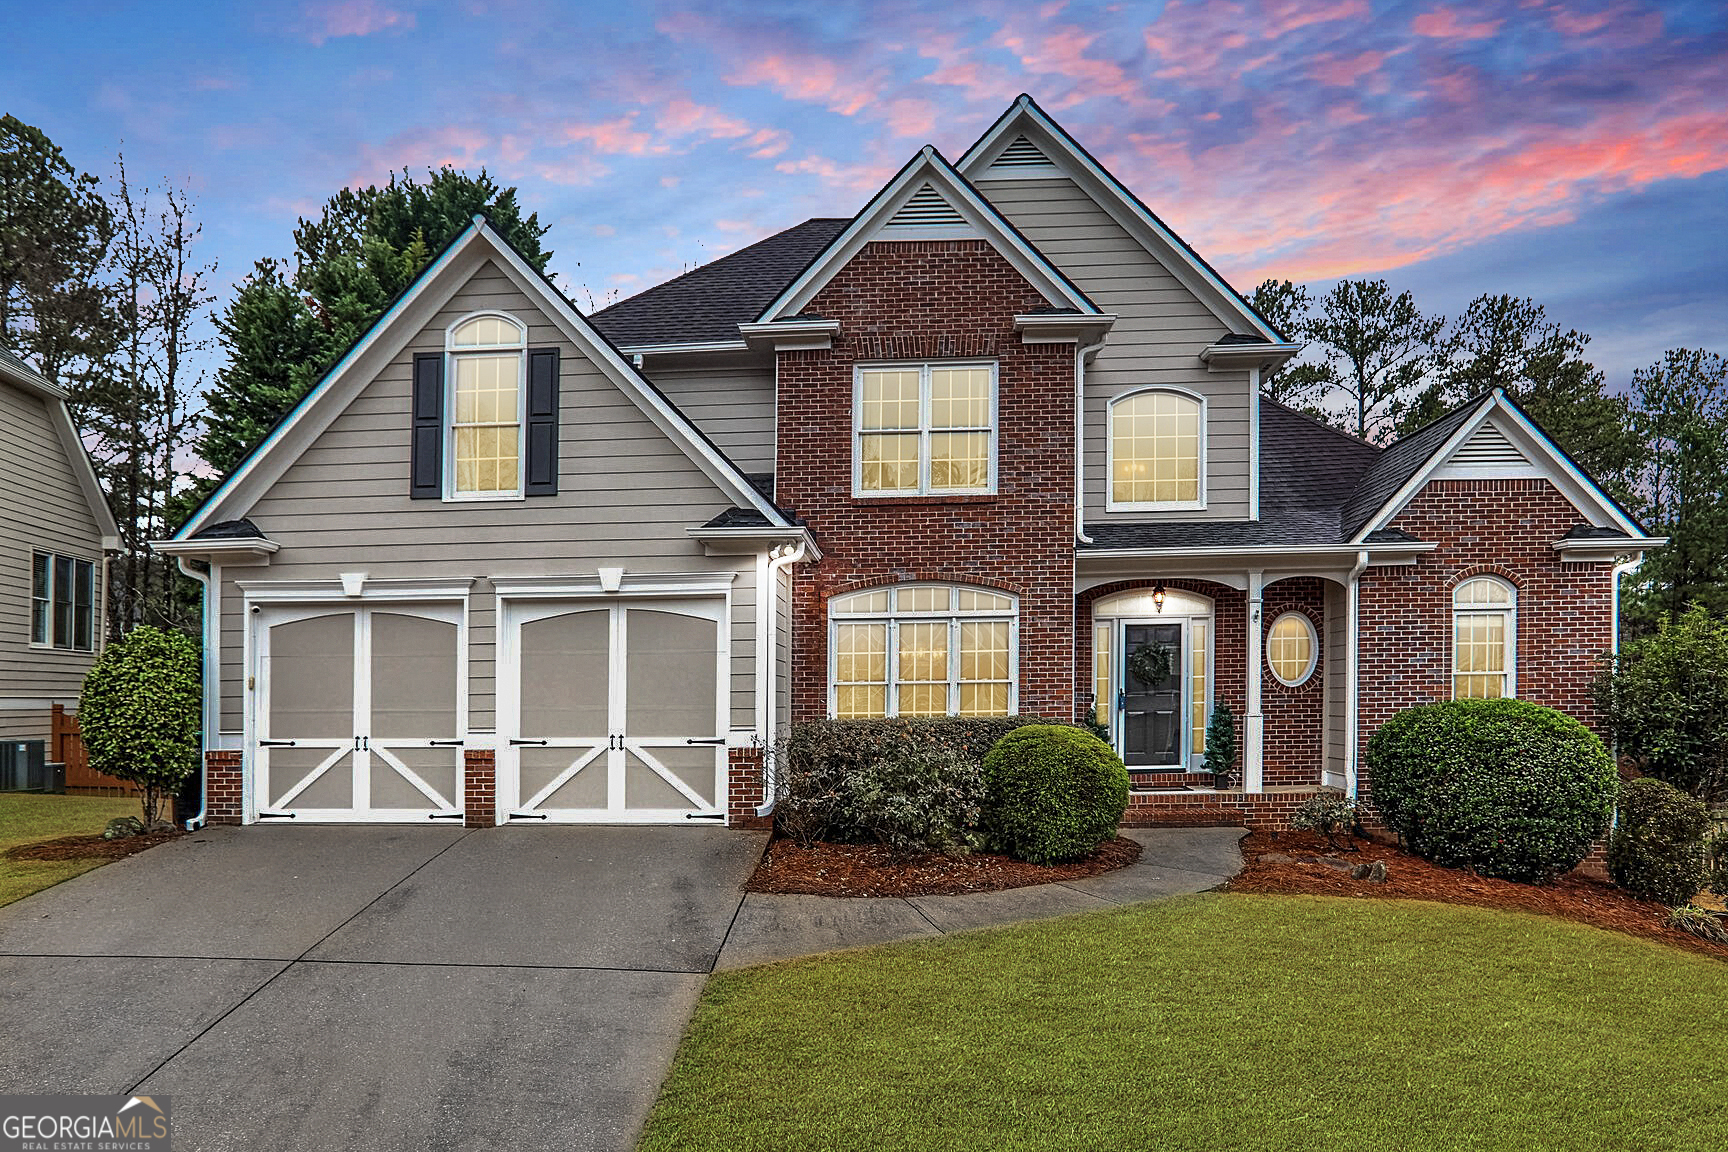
(224, 786)
(917, 301)
(746, 789)
(1502, 527)
(479, 788)
(1293, 747)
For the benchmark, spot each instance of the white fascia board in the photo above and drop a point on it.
(929, 166)
(231, 550)
(30, 380)
(630, 381)
(308, 418)
(1346, 551)
(790, 335)
(1063, 327)
(739, 541)
(1236, 357)
(1576, 550)
(1114, 198)
(692, 346)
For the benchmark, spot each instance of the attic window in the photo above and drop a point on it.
(1022, 154)
(926, 209)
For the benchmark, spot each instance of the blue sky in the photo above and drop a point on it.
(1574, 152)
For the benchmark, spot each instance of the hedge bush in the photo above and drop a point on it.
(1657, 850)
(1052, 793)
(139, 713)
(915, 784)
(1508, 787)
(1665, 697)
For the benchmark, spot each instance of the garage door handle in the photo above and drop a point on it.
(275, 743)
(536, 743)
(706, 740)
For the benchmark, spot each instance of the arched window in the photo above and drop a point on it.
(922, 650)
(487, 368)
(1484, 639)
(1157, 451)
(1292, 649)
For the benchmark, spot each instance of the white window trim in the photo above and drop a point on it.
(451, 354)
(1511, 640)
(893, 617)
(924, 429)
(1111, 504)
(54, 559)
(1313, 649)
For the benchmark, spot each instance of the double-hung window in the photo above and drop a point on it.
(62, 602)
(1484, 639)
(924, 428)
(923, 650)
(487, 357)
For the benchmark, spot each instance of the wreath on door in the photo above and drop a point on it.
(1150, 663)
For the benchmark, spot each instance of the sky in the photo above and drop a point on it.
(1576, 153)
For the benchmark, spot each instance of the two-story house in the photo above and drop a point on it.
(993, 445)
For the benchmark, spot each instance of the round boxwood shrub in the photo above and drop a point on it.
(1657, 850)
(1507, 787)
(1052, 793)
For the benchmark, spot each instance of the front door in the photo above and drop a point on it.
(359, 714)
(614, 713)
(1152, 710)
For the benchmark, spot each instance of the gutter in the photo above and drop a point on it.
(212, 622)
(780, 559)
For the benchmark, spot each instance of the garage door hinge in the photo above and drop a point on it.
(446, 815)
(277, 815)
(527, 815)
(704, 816)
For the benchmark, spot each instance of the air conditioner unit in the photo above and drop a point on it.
(23, 766)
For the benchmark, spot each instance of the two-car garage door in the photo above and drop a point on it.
(608, 711)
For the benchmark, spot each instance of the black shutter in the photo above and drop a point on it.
(426, 470)
(542, 475)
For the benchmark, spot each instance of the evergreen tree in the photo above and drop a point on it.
(1300, 384)
(1377, 346)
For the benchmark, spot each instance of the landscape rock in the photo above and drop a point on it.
(1374, 873)
(123, 826)
(1276, 858)
(1336, 864)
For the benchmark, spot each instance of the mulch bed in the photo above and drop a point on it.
(89, 847)
(1313, 869)
(872, 870)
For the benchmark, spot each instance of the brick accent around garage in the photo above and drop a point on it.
(479, 788)
(746, 789)
(224, 786)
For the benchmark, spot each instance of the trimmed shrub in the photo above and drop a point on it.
(1328, 812)
(1221, 745)
(1507, 787)
(1052, 793)
(1657, 850)
(139, 713)
(918, 801)
(1665, 697)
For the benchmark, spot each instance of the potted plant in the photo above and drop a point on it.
(1221, 746)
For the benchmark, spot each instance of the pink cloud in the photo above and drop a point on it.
(1344, 73)
(681, 116)
(618, 136)
(337, 18)
(458, 146)
(1444, 24)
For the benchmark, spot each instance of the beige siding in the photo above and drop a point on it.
(27, 724)
(1337, 686)
(42, 508)
(730, 398)
(627, 494)
(1160, 330)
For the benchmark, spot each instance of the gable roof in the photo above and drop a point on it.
(1024, 119)
(928, 178)
(708, 303)
(21, 375)
(1400, 461)
(441, 277)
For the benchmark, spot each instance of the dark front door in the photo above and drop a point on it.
(1152, 712)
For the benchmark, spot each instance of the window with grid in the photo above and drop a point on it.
(1484, 639)
(486, 360)
(925, 428)
(62, 602)
(1156, 444)
(923, 650)
(1292, 648)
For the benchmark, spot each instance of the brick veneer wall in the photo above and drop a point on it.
(1293, 741)
(479, 787)
(1500, 527)
(746, 789)
(931, 300)
(223, 786)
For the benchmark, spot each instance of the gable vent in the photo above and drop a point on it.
(926, 209)
(1022, 154)
(1489, 446)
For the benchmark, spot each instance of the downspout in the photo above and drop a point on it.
(780, 559)
(1624, 568)
(1352, 674)
(212, 625)
(1080, 354)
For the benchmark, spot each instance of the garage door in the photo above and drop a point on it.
(359, 714)
(613, 713)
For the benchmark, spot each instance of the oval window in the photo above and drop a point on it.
(1291, 648)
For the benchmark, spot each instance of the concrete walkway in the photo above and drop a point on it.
(1176, 861)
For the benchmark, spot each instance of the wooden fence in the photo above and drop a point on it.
(65, 747)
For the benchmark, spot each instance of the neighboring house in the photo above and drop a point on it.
(55, 530)
(980, 449)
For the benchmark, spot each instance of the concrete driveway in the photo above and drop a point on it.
(375, 987)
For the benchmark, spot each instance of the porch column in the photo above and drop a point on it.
(1253, 736)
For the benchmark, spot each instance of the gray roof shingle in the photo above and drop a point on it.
(1401, 460)
(708, 303)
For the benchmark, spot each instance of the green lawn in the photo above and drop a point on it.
(26, 817)
(1217, 1022)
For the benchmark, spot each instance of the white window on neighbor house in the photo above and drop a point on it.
(923, 650)
(1157, 451)
(488, 369)
(1292, 649)
(62, 602)
(924, 428)
(1484, 639)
